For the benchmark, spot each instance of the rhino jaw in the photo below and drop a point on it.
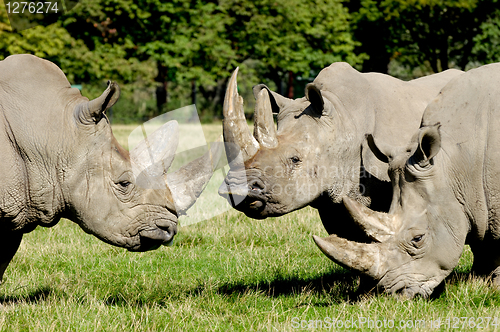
(160, 229)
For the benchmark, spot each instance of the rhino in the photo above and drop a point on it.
(60, 159)
(446, 185)
(318, 154)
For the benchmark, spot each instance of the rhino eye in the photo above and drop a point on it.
(295, 159)
(417, 238)
(124, 183)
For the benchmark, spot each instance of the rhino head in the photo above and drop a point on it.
(420, 240)
(127, 199)
(285, 168)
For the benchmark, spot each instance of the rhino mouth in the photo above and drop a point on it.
(161, 232)
(251, 206)
(244, 198)
(408, 286)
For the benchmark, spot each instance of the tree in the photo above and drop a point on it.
(187, 39)
(199, 41)
(487, 42)
(439, 33)
(292, 36)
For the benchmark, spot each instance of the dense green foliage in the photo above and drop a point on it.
(430, 35)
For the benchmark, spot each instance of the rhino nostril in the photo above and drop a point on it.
(256, 185)
(168, 228)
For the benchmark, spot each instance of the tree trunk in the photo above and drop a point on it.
(193, 92)
(290, 85)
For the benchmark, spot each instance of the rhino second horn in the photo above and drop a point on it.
(187, 183)
(235, 126)
(377, 225)
(264, 129)
(363, 257)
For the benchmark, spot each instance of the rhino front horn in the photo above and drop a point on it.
(187, 183)
(235, 128)
(363, 257)
(152, 157)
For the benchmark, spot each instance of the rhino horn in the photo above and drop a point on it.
(264, 129)
(378, 226)
(156, 152)
(152, 157)
(187, 183)
(235, 129)
(277, 101)
(366, 258)
(92, 111)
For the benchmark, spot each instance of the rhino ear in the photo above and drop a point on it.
(383, 156)
(92, 111)
(429, 144)
(313, 94)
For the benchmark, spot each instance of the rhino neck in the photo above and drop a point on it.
(36, 158)
(335, 216)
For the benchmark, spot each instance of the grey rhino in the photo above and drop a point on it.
(446, 193)
(59, 158)
(318, 154)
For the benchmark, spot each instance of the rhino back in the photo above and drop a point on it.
(377, 101)
(468, 110)
(34, 94)
(378, 104)
(399, 105)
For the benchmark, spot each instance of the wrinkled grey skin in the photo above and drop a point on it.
(446, 194)
(60, 159)
(319, 155)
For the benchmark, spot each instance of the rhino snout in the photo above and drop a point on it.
(256, 186)
(162, 234)
(244, 196)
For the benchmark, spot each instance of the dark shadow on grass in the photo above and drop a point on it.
(460, 277)
(339, 286)
(34, 297)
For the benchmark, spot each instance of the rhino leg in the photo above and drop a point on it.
(486, 263)
(495, 278)
(9, 243)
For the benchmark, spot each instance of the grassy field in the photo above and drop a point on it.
(229, 273)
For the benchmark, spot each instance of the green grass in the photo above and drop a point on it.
(229, 273)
